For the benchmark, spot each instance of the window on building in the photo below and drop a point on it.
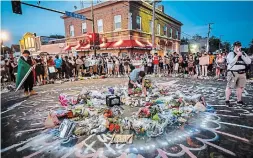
(84, 27)
(138, 22)
(117, 22)
(170, 32)
(100, 26)
(158, 29)
(177, 34)
(150, 26)
(71, 31)
(165, 31)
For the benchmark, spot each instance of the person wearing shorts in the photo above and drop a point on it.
(236, 77)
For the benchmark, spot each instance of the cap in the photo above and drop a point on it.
(237, 43)
(26, 52)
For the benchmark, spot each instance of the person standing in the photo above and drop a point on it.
(39, 70)
(13, 69)
(175, 63)
(190, 65)
(204, 62)
(156, 63)
(79, 64)
(28, 83)
(196, 63)
(58, 66)
(149, 64)
(236, 77)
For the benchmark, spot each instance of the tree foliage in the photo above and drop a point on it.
(57, 36)
(214, 44)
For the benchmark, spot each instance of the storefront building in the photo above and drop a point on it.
(125, 29)
(38, 45)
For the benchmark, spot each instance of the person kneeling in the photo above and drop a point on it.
(136, 79)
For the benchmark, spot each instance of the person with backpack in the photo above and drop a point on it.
(236, 76)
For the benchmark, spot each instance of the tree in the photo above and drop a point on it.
(197, 37)
(250, 50)
(226, 46)
(184, 41)
(214, 44)
(57, 36)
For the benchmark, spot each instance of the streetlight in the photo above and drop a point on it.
(3, 37)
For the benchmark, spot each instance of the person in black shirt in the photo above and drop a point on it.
(196, 63)
(28, 84)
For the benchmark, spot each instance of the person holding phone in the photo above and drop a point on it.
(236, 76)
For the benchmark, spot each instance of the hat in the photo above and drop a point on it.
(237, 43)
(26, 52)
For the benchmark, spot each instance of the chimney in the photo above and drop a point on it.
(161, 8)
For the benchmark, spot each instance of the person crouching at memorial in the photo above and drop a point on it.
(236, 77)
(28, 83)
(136, 79)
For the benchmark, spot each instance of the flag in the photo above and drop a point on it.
(23, 69)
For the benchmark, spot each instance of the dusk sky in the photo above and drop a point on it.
(233, 20)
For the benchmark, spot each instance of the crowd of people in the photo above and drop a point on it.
(49, 68)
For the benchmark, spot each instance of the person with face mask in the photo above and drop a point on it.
(236, 76)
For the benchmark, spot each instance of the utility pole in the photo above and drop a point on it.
(208, 35)
(220, 42)
(153, 28)
(93, 28)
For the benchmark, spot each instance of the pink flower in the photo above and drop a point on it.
(63, 100)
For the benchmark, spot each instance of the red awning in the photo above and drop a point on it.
(125, 44)
(67, 48)
(105, 45)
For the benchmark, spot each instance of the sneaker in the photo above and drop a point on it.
(228, 103)
(240, 103)
(33, 92)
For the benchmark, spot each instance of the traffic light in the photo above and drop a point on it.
(16, 6)
(94, 39)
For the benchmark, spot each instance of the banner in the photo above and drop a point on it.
(23, 68)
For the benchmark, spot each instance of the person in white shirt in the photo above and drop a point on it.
(110, 66)
(79, 64)
(116, 67)
(236, 76)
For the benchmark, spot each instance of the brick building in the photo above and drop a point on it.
(125, 28)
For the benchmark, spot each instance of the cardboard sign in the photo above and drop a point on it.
(51, 69)
(204, 60)
(120, 138)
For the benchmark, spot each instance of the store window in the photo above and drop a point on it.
(138, 22)
(158, 29)
(71, 31)
(84, 27)
(117, 22)
(165, 32)
(100, 25)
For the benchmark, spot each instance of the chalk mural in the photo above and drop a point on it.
(199, 133)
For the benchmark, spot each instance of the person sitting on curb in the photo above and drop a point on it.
(236, 77)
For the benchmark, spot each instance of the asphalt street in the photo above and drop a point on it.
(227, 133)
